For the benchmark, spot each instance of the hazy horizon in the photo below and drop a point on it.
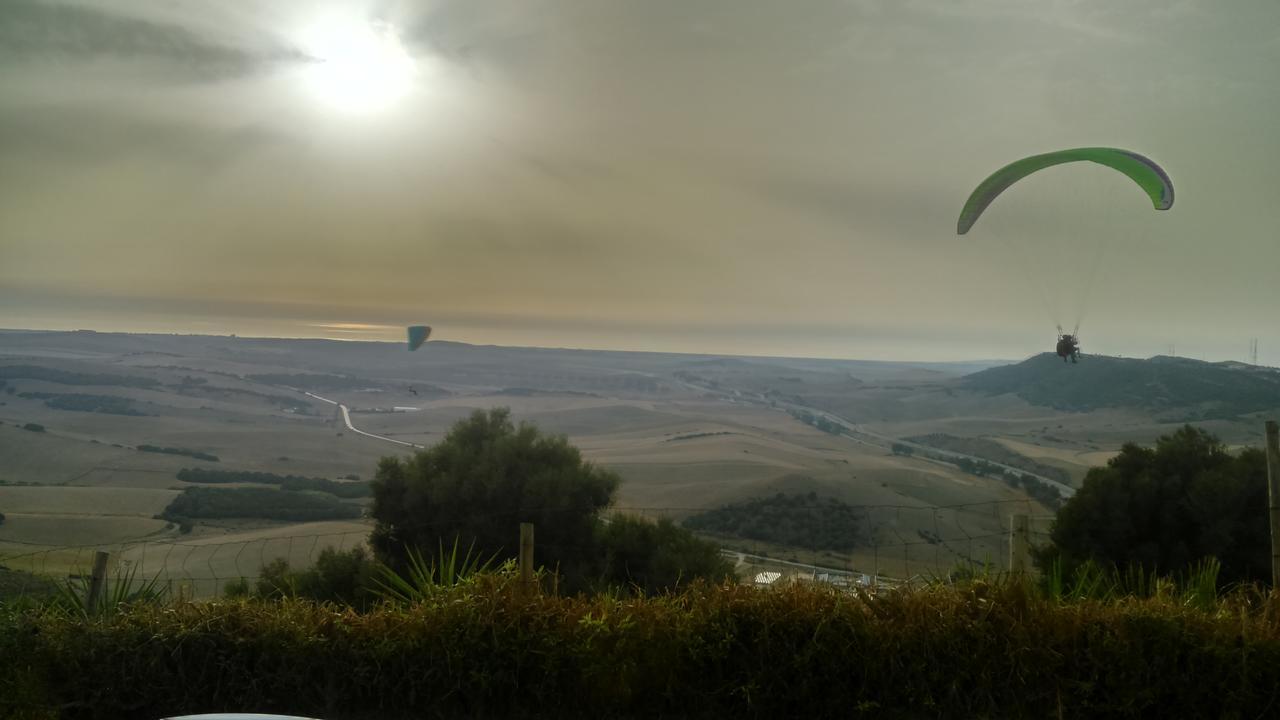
(739, 178)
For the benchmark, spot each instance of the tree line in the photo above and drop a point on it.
(207, 476)
(798, 520)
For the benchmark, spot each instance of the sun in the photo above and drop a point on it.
(358, 67)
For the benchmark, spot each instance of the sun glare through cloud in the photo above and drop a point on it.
(359, 66)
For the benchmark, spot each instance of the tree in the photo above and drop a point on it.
(343, 578)
(1168, 507)
(655, 557)
(485, 478)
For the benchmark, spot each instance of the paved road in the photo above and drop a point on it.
(346, 417)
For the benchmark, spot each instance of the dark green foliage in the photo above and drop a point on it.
(1166, 508)
(269, 503)
(64, 377)
(286, 482)
(1189, 389)
(33, 427)
(332, 487)
(343, 578)
(485, 650)
(179, 451)
(106, 404)
(1036, 488)
(992, 451)
(657, 557)
(483, 479)
(1, 518)
(903, 449)
(805, 521)
(238, 588)
(695, 436)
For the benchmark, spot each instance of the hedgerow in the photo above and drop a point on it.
(488, 649)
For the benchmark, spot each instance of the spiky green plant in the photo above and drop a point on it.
(425, 578)
(124, 588)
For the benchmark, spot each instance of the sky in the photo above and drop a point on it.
(724, 176)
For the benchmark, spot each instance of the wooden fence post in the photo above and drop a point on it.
(1019, 544)
(97, 581)
(526, 557)
(1273, 497)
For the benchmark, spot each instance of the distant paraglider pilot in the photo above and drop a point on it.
(1068, 347)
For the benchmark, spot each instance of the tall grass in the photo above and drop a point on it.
(1197, 587)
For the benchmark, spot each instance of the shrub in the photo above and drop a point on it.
(1165, 508)
(344, 578)
(657, 557)
(806, 521)
(483, 479)
(484, 649)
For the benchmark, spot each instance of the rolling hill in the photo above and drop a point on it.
(1179, 388)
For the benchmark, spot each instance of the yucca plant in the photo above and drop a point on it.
(426, 577)
(123, 589)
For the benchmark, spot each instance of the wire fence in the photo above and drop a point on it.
(895, 543)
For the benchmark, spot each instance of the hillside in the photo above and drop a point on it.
(1180, 388)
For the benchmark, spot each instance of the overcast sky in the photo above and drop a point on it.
(732, 176)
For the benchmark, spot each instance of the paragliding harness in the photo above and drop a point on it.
(1068, 346)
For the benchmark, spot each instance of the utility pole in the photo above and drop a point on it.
(1273, 497)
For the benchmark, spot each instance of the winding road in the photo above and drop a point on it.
(346, 418)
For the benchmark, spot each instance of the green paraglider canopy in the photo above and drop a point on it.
(1148, 175)
(418, 334)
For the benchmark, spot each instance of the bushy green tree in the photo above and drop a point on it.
(485, 478)
(1167, 507)
(656, 557)
(343, 578)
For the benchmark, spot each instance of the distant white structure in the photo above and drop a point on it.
(398, 408)
(767, 578)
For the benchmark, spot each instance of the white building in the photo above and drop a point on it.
(767, 578)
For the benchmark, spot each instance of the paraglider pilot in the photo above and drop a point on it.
(1068, 347)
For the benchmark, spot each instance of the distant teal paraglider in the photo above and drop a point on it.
(418, 334)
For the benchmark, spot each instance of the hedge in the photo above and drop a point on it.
(486, 650)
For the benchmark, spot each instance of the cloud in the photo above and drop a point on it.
(45, 32)
(53, 136)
